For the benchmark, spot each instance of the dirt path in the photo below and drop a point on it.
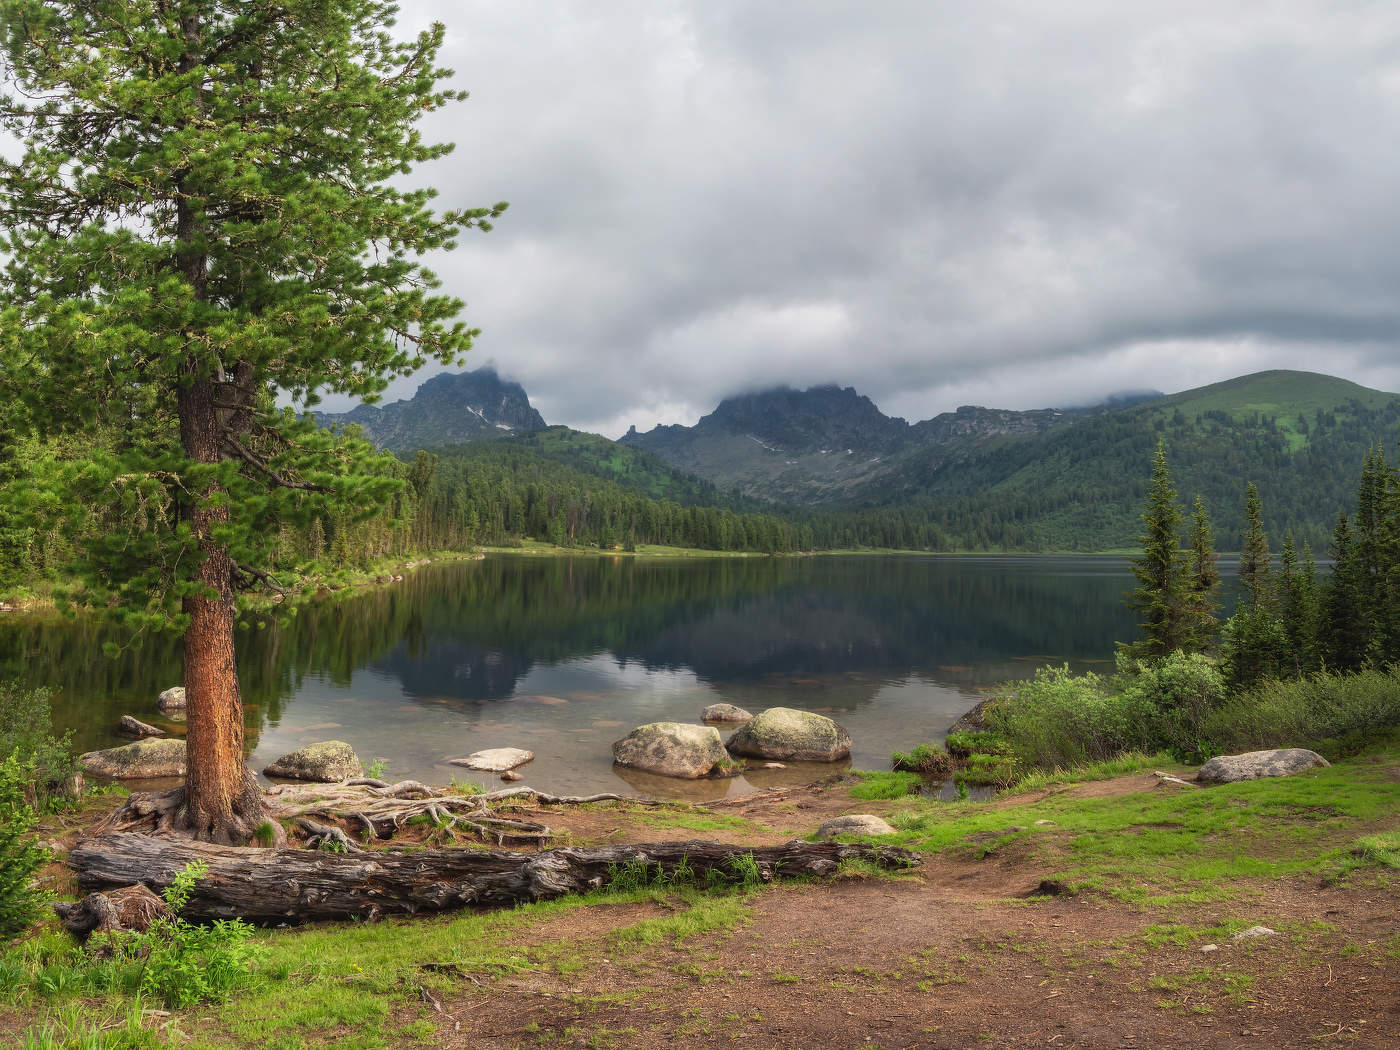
(877, 963)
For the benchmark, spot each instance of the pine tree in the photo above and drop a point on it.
(203, 217)
(1161, 596)
(1202, 581)
(1348, 630)
(1254, 552)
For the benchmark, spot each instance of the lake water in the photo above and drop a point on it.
(565, 655)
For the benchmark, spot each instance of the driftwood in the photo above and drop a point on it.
(271, 885)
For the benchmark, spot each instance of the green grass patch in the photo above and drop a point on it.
(1190, 846)
(1124, 765)
(875, 785)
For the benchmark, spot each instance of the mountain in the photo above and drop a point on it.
(1053, 479)
(827, 445)
(448, 409)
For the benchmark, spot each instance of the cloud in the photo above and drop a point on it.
(1003, 202)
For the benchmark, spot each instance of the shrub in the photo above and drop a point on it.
(25, 729)
(1059, 719)
(188, 963)
(1183, 691)
(964, 745)
(929, 760)
(20, 858)
(1332, 713)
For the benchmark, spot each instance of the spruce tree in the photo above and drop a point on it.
(1161, 597)
(1254, 552)
(1202, 580)
(203, 218)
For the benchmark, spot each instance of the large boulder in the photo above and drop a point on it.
(673, 749)
(787, 734)
(324, 763)
(495, 759)
(173, 699)
(1255, 765)
(725, 713)
(142, 760)
(854, 824)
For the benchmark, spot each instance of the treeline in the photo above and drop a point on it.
(1291, 621)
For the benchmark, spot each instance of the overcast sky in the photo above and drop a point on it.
(938, 203)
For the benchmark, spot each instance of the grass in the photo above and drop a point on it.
(1183, 847)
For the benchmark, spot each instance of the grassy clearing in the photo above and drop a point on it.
(1181, 846)
(342, 985)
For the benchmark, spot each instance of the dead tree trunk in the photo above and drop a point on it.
(265, 885)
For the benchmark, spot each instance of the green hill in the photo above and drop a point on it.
(1300, 437)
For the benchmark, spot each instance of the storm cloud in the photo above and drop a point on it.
(1011, 204)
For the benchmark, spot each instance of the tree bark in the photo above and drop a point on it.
(264, 885)
(222, 802)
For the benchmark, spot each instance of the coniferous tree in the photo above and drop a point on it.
(1202, 580)
(203, 216)
(1347, 633)
(1161, 597)
(1253, 638)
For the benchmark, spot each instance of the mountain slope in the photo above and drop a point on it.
(825, 445)
(1299, 436)
(448, 409)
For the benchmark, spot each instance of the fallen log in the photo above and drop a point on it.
(278, 885)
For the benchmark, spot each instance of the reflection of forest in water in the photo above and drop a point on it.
(468, 632)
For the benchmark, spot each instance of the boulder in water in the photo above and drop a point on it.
(173, 699)
(673, 749)
(323, 763)
(786, 734)
(725, 713)
(142, 760)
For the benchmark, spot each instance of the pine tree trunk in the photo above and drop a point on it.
(222, 801)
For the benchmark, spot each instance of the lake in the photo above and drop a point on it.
(565, 655)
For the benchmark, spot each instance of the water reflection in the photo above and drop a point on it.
(563, 656)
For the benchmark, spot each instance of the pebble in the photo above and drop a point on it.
(1210, 947)
(1253, 932)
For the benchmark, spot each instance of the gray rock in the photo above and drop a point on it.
(173, 699)
(324, 763)
(495, 759)
(1210, 948)
(1255, 765)
(673, 749)
(1254, 932)
(854, 824)
(786, 734)
(725, 713)
(135, 727)
(974, 721)
(138, 761)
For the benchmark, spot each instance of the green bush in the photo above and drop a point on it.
(1058, 719)
(26, 722)
(1183, 690)
(20, 858)
(928, 760)
(1331, 713)
(187, 963)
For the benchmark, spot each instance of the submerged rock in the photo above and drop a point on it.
(324, 763)
(139, 761)
(673, 749)
(173, 699)
(495, 759)
(854, 824)
(787, 734)
(1256, 765)
(725, 713)
(135, 727)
